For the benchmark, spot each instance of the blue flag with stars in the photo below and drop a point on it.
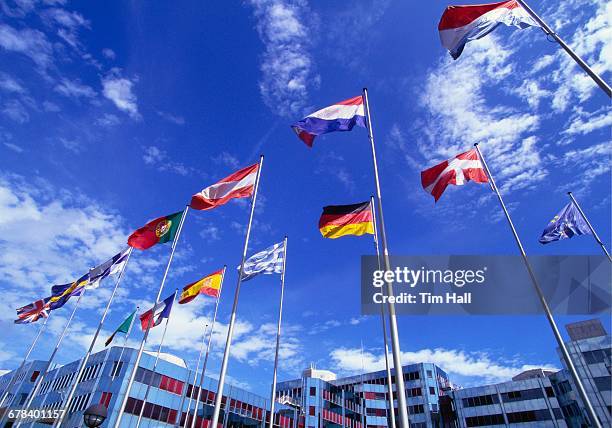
(564, 225)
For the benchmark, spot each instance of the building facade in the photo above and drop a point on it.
(105, 380)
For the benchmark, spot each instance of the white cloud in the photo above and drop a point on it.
(120, 91)
(10, 84)
(287, 66)
(74, 89)
(582, 122)
(14, 147)
(469, 366)
(108, 53)
(108, 120)
(227, 159)
(68, 23)
(28, 42)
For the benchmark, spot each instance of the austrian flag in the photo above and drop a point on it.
(238, 185)
(463, 167)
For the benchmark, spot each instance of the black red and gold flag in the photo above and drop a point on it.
(340, 220)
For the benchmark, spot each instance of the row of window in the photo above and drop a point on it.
(603, 383)
(151, 411)
(597, 356)
(480, 400)
(90, 372)
(526, 394)
(160, 381)
(376, 412)
(416, 409)
(529, 416)
(480, 421)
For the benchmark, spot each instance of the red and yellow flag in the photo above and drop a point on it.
(340, 220)
(209, 285)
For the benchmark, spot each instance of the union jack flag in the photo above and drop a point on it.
(33, 312)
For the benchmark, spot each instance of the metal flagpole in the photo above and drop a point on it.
(230, 330)
(384, 325)
(195, 378)
(600, 82)
(28, 403)
(161, 343)
(212, 328)
(395, 347)
(116, 370)
(21, 366)
(146, 335)
(362, 394)
(601, 244)
(84, 360)
(549, 316)
(278, 333)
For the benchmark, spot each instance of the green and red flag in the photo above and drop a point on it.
(157, 231)
(123, 328)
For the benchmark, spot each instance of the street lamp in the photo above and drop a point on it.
(94, 415)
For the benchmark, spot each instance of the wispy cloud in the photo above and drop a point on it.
(177, 120)
(28, 42)
(158, 158)
(74, 89)
(287, 66)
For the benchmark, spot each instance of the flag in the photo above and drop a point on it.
(463, 167)
(567, 223)
(462, 24)
(158, 231)
(157, 313)
(123, 328)
(340, 220)
(238, 185)
(267, 261)
(341, 116)
(60, 294)
(33, 312)
(209, 285)
(112, 266)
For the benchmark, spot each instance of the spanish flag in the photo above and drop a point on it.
(340, 220)
(209, 285)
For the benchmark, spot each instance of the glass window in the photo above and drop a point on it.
(432, 390)
(603, 383)
(429, 373)
(311, 410)
(313, 391)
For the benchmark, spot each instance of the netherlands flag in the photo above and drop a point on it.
(341, 116)
(462, 24)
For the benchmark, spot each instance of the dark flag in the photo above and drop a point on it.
(564, 225)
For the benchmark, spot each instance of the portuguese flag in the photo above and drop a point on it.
(158, 231)
(340, 220)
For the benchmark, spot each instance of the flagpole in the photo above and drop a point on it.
(23, 363)
(384, 325)
(212, 328)
(161, 343)
(83, 363)
(195, 378)
(146, 335)
(600, 82)
(230, 330)
(599, 241)
(278, 333)
(395, 347)
(44, 372)
(114, 374)
(549, 316)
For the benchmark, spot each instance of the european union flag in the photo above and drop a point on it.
(564, 225)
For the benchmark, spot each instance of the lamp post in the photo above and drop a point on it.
(95, 415)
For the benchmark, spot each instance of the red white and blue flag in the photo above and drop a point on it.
(157, 313)
(458, 170)
(341, 116)
(33, 312)
(462, 24)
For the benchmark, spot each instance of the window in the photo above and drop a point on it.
(311, 410)
(429, 374)
(603, 383)
(479, 421)
(549, 391)
(105, 399)
(597, 356)
(432, 390)
(410, 376)
(529, 416)
(414, 392)
(416, 409)
(313, 391)
(34, 376)
(117, 366)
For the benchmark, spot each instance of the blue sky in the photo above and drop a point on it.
(115, 113)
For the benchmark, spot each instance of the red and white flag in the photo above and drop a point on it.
(238, 185)
(464, 167)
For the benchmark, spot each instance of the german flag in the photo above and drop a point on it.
(340, 220)
(209, 285)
